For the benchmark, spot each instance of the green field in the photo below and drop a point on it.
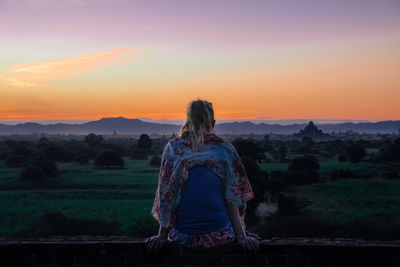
(126, 197)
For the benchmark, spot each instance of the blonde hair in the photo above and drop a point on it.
(200, 120)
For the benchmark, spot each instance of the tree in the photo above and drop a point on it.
(94, 140)
(303, 170)
(144, 142)
(15, 161)
(82, 158)
(303, 163)
(391, 152)
(39, 168)
(282, 152)
(249, 148)
(155, 161)
(139, 154)
(109, 159)
(355, 152)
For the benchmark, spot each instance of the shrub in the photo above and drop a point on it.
(391, 174)
(144, 141)
(139, 154)
(47, 167)
(341, 174)
(94, 140)
(355, 153)
(82, 158)
(301, 177)
(16, 161)
(307, 162)
(303, 170)
(33, 173)
(109, 159)
(391, 152)
(249, 148)
(259, 183)
(23, 151)
(3, 156)
(156, 161)
(276, 182)
(342, 158)
(57, 153)
(289, 205)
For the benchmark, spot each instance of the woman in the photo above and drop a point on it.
(202, 189)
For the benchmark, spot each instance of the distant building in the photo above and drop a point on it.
(310, 131)
(115, 132)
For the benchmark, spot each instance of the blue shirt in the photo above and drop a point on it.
(202, 208)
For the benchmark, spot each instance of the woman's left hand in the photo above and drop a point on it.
(155, 243)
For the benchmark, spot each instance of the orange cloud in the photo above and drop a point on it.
(33, 74)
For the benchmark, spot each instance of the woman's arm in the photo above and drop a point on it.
(248, 243)
(235, 219)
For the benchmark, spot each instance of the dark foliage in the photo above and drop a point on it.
(391, 152)
(58, 153)
(391, 174)
(94, 140)
(139, 154)
(301, 177)
(307, 162)
(355, 152)
(302, 171)
(282, 152)
(82, 158)
(308, 141)
(33, 173)
(16, 161)
(288, 205)
(156, 161)
(342, 158)
(249, 148)
(57, 223)
(259, 183)
(48, 167)
(144, 141)
(276, 182)
(43, 141)
(4, 155)
(109, 159)
(23, 151)
(341, 174)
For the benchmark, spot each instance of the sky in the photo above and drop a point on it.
(254, 60)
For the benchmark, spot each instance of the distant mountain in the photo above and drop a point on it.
(136, 126)
(103, 126)
(361, 127)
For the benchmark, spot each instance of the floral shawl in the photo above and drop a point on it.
(179, 156)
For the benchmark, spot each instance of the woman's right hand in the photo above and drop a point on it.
(249, 244)
(155, 243)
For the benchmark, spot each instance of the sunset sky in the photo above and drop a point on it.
(254, 59)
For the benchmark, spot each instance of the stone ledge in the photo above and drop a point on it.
(125, 251)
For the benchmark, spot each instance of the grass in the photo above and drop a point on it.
(356, 207)
(21, 210)
(372, 200)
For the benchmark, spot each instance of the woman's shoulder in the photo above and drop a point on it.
(210, 139)
(221, 142)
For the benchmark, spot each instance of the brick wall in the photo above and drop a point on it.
(124, 251)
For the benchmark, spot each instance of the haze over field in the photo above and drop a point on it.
(259, 60)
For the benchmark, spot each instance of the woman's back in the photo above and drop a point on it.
(202, 208)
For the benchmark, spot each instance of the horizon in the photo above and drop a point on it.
(181, 121)
(86, 59)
